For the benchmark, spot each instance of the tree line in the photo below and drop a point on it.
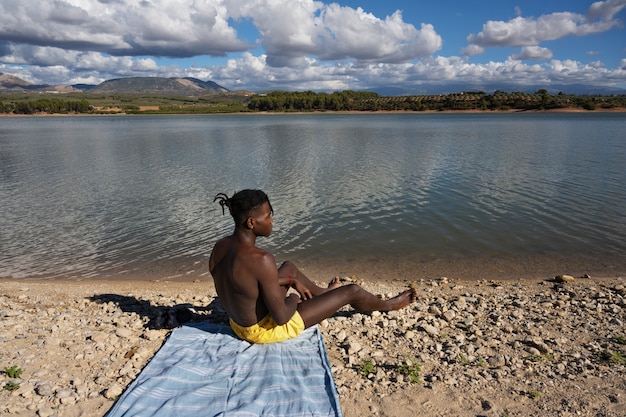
(309, 101)
(46, 105)
(283, 101)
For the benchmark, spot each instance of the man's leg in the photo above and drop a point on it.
(325, 305)
(289, 269)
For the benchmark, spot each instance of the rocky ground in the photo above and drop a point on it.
(469, 348)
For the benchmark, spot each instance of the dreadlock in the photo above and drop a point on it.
(242, 203)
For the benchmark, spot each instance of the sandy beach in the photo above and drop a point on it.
(465, 348)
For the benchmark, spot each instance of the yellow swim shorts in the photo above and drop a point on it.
(268, 331)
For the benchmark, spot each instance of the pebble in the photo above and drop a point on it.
(113, 391)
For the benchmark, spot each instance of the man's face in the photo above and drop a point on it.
(263, 220)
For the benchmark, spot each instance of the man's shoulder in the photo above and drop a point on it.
(246, 256)
(223, 241)
(258, 255)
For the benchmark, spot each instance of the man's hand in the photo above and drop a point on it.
(304, 292)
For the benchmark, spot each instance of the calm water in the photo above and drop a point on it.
(424, 193)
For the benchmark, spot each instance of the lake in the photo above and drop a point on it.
(377, 195)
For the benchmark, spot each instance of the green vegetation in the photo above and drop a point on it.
(616, 358)
(11, 386)
(13, 372)
(282, 101)
(367, 368)
(127, 103)
(619, 339)
(48, 105)
(287, 101)
(411, 369)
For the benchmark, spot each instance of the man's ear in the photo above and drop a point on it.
(250, 223)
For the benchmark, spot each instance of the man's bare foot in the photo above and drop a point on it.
(334, 283)
(403, 299)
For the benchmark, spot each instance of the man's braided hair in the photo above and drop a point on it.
(242, 203)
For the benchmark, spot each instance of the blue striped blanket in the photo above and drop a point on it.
(205, 370)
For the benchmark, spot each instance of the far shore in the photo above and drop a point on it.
(476, 111)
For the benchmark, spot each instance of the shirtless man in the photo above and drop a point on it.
(253, 291)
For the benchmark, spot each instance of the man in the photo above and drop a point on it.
(253, 291)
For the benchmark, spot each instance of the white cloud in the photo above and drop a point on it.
(436, 70)
(186, 28)
(353, 33)
(175, 28)
(145, 64)
(596, 64)
(461, 71)
(333, 32)
(472, 50)
(522, 31)
(605, 10)
(536, 53)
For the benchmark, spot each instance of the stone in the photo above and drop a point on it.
(113, 391)
(496, 361)
(431, 330)
(44, 390)
(63, 393)
(123, 332)
(341, 335)
(449, 315)
(45, 412)
(354, 347)
(434, 310)
(564, 278)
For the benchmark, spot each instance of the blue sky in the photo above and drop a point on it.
(303, 44)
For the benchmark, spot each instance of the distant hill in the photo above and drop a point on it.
(9, 82)
(157, 85)
(167, 86)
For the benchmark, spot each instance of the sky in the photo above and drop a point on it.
(299, 45)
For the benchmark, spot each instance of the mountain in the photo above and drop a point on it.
(159, 85)
(83, 87)
(9, 82)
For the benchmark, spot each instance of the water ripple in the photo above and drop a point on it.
(90, 197)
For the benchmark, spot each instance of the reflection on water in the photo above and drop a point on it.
(94, 196)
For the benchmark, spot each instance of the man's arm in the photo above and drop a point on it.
(280, 307)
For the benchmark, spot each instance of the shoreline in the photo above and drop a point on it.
(374, 268)
(485, 347)
(564, 110)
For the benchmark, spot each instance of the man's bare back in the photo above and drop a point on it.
(251, 287)
(236, 269)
